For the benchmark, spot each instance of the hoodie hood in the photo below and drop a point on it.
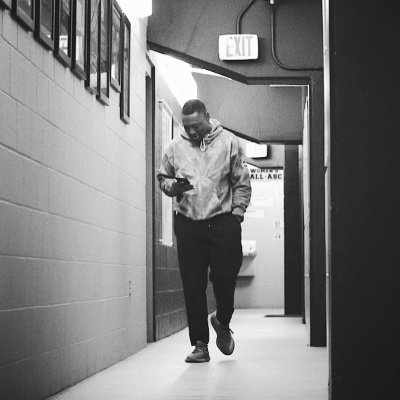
(216, 129)
(220, 179)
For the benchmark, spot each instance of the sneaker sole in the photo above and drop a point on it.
(193, 360)
(220, 344)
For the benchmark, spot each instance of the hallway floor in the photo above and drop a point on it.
(271, 361)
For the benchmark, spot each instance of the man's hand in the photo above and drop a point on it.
(239, 218)
(180, 187)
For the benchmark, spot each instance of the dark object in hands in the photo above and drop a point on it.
(184, 181)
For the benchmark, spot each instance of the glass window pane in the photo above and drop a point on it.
(26, 6)
(104, 46)
(65, 23)
(46, 17)
(115, 46)
(80, 34)
(127, 45)
(94, 39)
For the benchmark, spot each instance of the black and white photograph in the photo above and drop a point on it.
(197, 200)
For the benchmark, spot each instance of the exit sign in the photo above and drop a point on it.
(238, 47)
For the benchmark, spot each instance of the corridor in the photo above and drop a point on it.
(271, 362)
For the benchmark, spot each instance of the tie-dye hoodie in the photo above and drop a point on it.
(221, 181)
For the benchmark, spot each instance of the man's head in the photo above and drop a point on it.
(195, 119)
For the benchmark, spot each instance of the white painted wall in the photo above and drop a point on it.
(72, 219)
(261, 279)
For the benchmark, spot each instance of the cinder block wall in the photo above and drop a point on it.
(72, 220)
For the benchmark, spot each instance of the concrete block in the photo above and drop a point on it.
(137, 312)
(16, 331)
(11, 380)
(60, 282)
(42, 375)
(10, 29)
(94, 320)
(137, 276)
(138, 82)
(19, 283)
(12, 182)
(24, 42)
(23, 232)
(138, 110)
(42, 182)
(29, 378)
(7, 219)
(78, 90)
(48, 143)
(42, 282)
(77, 318)
(111, 315)
(93, 356)
(30, 82)
(111, 348)
(54, 191)
(60, 369)
(19, 71)
(29, 188)
(5, 282)
(54, 103)
(112, 119)
(138, 61)
(36, 137)
(136, 194)
(48, 64)
(79, 359)
(64, 77)
(23, 129)
(48, 237)
(42, 95)
(140, 141)
(37, 234)
(136, 338)
(58, 152)
(20, 238)
(37, 53)
(77, 279)
(8, 121)
(59, 326)
(43, 328)
(4, 65)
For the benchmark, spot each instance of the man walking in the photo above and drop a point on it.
(210, 204)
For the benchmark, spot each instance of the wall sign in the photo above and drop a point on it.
(238, 47)
(265, 174)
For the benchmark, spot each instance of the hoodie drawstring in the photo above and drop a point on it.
(203, 145)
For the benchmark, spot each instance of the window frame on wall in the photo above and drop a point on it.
(60, 54)
(125, 68)
(26, 20)
(103, 93)
(40, 32)
(116, 9)
(90, 82)
(5, 4)
(77, 69)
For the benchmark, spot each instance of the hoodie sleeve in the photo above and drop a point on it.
(167, 168)
(240, 180)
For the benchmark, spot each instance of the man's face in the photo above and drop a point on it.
(196, 125)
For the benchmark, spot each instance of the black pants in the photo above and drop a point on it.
(214, 243)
